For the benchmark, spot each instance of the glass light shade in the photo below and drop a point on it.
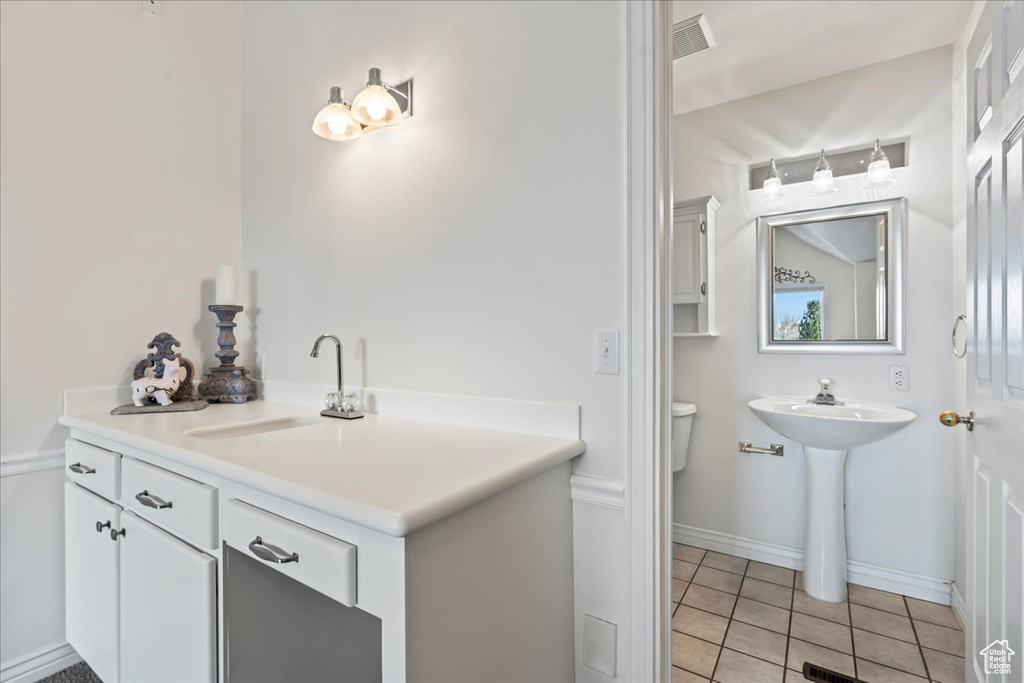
(772, 185)
(823, 182)
(879, 171)
(335, 122)
(375, 106)
(773, 189)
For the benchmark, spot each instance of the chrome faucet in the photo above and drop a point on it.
(825, 397)
(336, 404)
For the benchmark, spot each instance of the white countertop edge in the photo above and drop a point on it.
(377, 519)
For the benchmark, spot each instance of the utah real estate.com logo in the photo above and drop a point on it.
(997, 657)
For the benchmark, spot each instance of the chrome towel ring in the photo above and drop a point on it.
(956, 324)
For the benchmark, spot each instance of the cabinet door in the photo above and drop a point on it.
(688, 281)
(91, 561)
(168, 608)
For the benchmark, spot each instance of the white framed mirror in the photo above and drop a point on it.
(831, 280)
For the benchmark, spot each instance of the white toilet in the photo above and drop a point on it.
(682, 423)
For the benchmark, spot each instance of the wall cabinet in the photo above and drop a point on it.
(693, 267)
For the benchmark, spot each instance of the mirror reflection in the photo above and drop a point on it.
(829, 280)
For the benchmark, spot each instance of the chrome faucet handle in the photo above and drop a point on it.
(825, 383)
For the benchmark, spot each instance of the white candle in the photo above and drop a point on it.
(225, 295)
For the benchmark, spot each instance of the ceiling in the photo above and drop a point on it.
(849, 239)
(764, 45)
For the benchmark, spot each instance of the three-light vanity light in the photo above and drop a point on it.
(378, 105)
(878, 173)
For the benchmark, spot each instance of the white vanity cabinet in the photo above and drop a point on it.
(141, 604)
(384, 550)
(168, 607)
(91, 583)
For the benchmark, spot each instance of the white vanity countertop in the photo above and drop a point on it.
(390, 474)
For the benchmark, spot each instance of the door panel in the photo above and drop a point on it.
(168, 608)
(91, 561)
(687, 262)
(996, 344)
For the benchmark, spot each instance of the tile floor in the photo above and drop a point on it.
(740, 621)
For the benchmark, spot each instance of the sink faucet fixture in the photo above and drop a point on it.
(335, 405)
(825, 397)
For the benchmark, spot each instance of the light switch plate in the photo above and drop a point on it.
(599, 643)
(606, 352)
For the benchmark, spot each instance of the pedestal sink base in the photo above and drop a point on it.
(825, 526)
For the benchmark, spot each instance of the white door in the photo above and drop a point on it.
(168, 608)
(995, 153)
(91, 579)
(688, 281)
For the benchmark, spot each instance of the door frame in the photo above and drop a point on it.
(648, 338)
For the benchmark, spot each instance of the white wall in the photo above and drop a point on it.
(899, 502)
(120, 194)
(472, 250)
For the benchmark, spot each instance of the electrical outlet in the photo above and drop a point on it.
(899, 378)
(153, 8)
(606, 352)
(261, 366)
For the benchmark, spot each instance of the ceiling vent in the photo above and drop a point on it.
(691, 35)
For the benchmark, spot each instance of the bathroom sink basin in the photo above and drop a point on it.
(253, 428)
(854, 423)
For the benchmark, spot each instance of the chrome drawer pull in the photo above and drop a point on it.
(79, 468)
(271, 553)
(101, 527)
(152, 501)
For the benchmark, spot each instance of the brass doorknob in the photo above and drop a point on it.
(952, 419)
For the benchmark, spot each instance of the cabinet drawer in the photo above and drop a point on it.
(94, 468)
(317, 560)
(181, 504)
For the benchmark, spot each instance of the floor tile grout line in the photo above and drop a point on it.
(729, 625)
(789, 628)
(853, 643)
(920, 650)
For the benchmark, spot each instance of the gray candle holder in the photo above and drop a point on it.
(227, 383)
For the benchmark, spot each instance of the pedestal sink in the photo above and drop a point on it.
(827, 432)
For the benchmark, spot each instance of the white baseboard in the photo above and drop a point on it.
(39, 664)
(861, 573)
(959, 605)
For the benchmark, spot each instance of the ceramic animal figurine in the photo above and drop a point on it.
(159, 389)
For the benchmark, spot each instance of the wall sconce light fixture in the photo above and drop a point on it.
(823, 183)
(378, 105)
(772, 185)
(879, 171)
